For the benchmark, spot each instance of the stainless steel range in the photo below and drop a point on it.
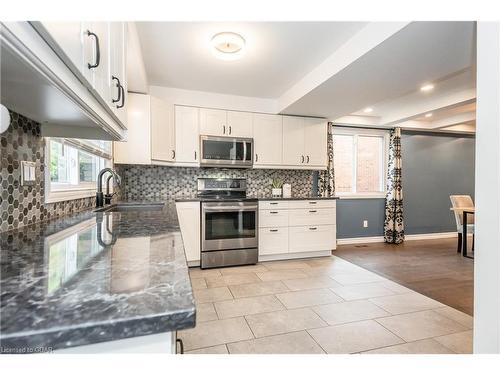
(229, 227)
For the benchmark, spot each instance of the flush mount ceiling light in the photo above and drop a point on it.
(427, 87)
(368, 110)
(428, 115)
(228, 46)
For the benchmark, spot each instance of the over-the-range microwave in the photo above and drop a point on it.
(226, 152)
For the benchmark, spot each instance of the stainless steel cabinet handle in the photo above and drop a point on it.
(307, 158)
(173, 154)
(312, 211)
(273, 212)
(273, 203)
(195, 155)
(223, 129)
(313, 228)
(273, 230)
(230, 130)
(313, 202)
(97, 51)
(302, 158)
(256, 157)
(118, 86)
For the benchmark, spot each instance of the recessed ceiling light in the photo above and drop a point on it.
(428, 115)
(368, 110)
(427, 87)
(228, 45)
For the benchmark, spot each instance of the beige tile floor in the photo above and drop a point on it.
(317, 306)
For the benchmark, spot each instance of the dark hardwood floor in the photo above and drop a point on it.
(430, 267)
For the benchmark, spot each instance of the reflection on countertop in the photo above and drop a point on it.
(92, 277)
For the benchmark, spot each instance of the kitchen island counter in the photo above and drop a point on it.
(93, 277)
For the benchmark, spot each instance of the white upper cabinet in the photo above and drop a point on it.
(268, 139)
(315, 142)
(240, 124)
(187, 133)
(96, 53)
(213, 122)
(293, 140)
(223, 123)
(162, 131)
(68, 37)
(304, 142)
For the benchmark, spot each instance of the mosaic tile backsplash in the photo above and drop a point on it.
(143, 182)
(24, 205)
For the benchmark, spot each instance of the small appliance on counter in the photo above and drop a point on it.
(229, 230)
(287, 191)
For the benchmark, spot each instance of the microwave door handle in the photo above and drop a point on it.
(244, 151)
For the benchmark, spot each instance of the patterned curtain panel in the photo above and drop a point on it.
(394, 224)
(326, 183)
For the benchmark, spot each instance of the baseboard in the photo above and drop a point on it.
(309, 254)
(408, 237)
(351, 241)
(430, 236)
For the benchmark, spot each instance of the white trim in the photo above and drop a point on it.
(430, 236)
(67, 195)
(356, 240)
(408, 237)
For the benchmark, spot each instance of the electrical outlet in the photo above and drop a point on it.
(365, 223)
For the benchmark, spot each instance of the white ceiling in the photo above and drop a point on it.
(278, 54)
(421, 52)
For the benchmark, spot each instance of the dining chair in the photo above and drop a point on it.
(463, 201)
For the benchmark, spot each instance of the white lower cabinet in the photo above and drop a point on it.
(188, 214)
(311, 238)
(272, 240)
(296, 228)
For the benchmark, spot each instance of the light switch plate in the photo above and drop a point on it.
(28, 173)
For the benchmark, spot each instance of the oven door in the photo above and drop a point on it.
(229, 225)
(226, 151)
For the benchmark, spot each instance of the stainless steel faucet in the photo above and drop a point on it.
(99, 196)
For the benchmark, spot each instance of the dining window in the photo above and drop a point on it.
(360, 162)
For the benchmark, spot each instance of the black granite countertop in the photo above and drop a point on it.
(249, 198)
(93, 277)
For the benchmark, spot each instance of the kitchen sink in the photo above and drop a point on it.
(126, 207)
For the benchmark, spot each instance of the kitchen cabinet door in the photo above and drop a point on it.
(311, 238)
(268, 139)
(315, 138)
(213, 122)
(68, 37)
(96, 57)
(137, 148)
(240, 124)
(187, 135)
(293, 141)
(162, 130)
(117, 79)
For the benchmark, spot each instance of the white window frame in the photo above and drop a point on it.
(82, 190)
(356, 132)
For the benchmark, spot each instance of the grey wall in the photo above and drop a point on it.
(435, 166)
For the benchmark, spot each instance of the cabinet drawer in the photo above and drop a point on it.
(271, 205)
(273, 241)
(318, 203)
(311, 238)
(273, 218)
(311, 216)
